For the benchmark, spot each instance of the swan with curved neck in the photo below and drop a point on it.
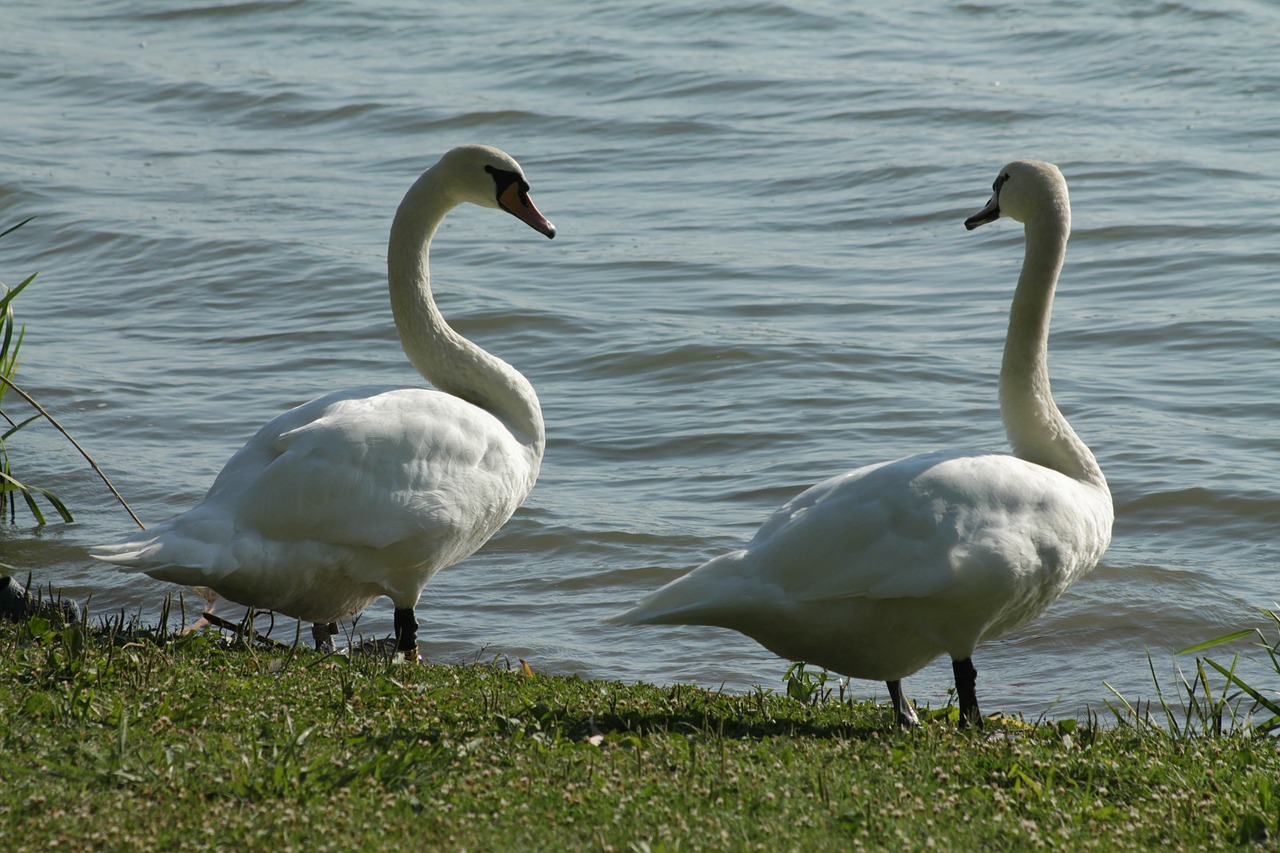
(370, 491)
(878, 571)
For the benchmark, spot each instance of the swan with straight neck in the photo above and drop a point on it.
(876, 572)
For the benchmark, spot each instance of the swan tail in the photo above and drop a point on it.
(715, 593)
(164, 556)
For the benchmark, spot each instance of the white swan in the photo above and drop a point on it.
(876, 572)
(370, 491)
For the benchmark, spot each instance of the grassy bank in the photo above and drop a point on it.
(130, 743)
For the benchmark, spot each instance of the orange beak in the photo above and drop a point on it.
(516, 201)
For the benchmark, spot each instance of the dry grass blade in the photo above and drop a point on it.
(11, 337)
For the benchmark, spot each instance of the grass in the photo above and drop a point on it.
(1238, 700)
(1202, 709)
(123, 738)
(11, 488)
(10, 342)
(11, 336)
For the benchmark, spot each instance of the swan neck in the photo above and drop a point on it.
(445, 358)
(1037, 429)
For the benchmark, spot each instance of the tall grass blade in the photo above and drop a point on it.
(13, 228)
(1271, 705)
(92, 464)
(1172, 720)
(9, 432)
(9, 484)
(10, 343)
(1217, 641)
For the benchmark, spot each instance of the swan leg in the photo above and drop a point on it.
(210, 601)
(966, 692)
(902, 710)
(323, 633)
(406, 633)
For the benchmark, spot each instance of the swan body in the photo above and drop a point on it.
(876, 572)
(370, 491)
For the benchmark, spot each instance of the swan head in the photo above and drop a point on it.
(1024, 190)
(485, 176)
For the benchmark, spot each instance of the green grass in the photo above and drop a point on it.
(11, 335)
(121, 739)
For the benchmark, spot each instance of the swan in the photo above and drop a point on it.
(875, 572)
(370, 491)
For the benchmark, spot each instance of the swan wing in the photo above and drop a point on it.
(402, 465)
(408, 475)
(923, 526)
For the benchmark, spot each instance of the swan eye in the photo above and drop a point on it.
(999, 182)
(503, 179)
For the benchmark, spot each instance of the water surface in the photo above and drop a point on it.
(761, 279)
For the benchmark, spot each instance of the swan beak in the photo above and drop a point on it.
(516, 201)
(990, 213)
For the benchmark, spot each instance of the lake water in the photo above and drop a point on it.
(761, 279)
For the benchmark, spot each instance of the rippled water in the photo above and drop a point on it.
(761, 279)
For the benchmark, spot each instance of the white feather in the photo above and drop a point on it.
(370, 491)
(878, 571)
